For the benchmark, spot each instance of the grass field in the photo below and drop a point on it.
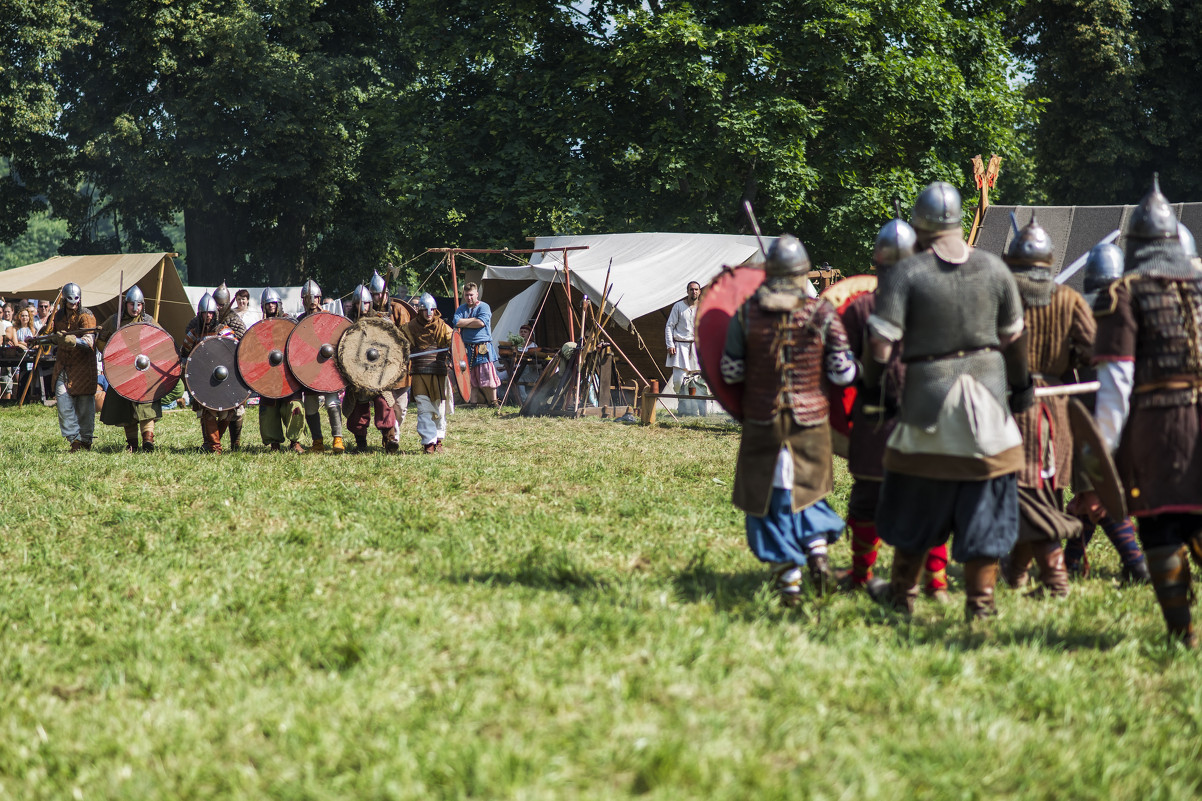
(554, 609)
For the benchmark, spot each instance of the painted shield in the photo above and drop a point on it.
(463, 378)
(141, 364)
(211, 375)
(261, 359)
(312, 351)
(718, 304)
(1093, 459)
(373, 355)
(840, 295)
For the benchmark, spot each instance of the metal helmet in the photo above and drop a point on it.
(378, 285)
(134, 295)
(1031, 247)
(1104, 265)
(895, 241)
(426, 301)
(310, 290)
(786, 257)
(221, 295)
(206, 304)
(269, 296)
(1187, 241)
(1153, 218)
(360, 299)
(72, 293)
(937, 208)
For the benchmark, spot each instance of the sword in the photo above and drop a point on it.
(755, 226)
(428, 352)
(1084, 388)
(1070, 270)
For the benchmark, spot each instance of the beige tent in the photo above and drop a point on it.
(102, 278)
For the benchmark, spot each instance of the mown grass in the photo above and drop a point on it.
(553, 609)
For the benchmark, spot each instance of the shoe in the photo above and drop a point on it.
(786, 578)
(431, 449)
(148, 446)
(338, 446)
(877, 589)
(318, 446)
(820, 573)
(131, 446)
(275, 446)
(360, 445)
(1136, 573)
(296, 447)
(438, 447)
(391, 446)
(76, 445)
(87, 446)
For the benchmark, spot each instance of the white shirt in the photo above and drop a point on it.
(679, 333)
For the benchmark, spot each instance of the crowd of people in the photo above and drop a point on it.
(963, 364)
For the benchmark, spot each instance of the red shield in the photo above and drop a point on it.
(463, 378)
(840, 295)
(718, 304)
(140, 363)
(312, 350)
(261, 358)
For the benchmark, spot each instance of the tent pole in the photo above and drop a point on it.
(454, 279)
(158, 293)
(567, 291)
(522, 355)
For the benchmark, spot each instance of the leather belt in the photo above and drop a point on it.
(1169, 385)
(953, 355)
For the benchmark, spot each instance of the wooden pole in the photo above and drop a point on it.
(158, 294)
(455, 279)
(38, 356)
(567, 291)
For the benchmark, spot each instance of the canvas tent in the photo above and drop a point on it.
(649, 273)
(1074, 229)
(101, 278)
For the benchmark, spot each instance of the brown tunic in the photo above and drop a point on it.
(1154, 322)
(399, 314)
(78, 363)
(429, 380)
(870, 430)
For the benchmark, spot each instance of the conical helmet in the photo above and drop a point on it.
(1153, 218)
(1188, 244)
(206, 304)
(269, 296)
(310, 290)
(377, 285)
(1103, 265)
(221, 295)
(426, 301)
(895, 241)
(1031, 247)
(937, 208)
(134, 295)
(786, 257)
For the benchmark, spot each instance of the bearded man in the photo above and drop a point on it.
(681, 340)
(75, 373)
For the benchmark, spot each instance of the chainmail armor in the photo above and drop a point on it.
(1158, 258)
(1035, 287)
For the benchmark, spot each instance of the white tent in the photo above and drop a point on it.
(648, 273)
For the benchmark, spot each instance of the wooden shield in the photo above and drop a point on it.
(373, 355)
(463, 379)
(840, 295)
(1093, 458)
(313, 349)
(141, 363)
(261, 358)
(211, 375)
(718, 304)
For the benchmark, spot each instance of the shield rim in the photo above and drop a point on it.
(1110, 489)
(336, 373)
(842, 399)
(172, 376)
(289, 378)
(364, 323)
(234, 374)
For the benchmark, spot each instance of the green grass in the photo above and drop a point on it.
(554, 609)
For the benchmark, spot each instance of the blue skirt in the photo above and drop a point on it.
(782, 536)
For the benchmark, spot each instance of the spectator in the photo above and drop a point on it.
(43, 315)
(6, 319)
(474, 321)
(242, 307)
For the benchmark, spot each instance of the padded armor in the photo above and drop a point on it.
(1168, 346)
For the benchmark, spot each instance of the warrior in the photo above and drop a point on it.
(275, 412)
(400, 314)
(75, 371)
(873, 419)
(951, 462)
(1103, 266)
(427, 332)
(229, 317)
(681, 341)
(359, 416)
(1059, 335)
(474, 321)
(1149, 359)
(204, 325)
(311, 299)
(784, 347)
(119, 411)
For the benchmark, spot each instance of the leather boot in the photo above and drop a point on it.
(275, 446)
(338, 447)
(786, 578)
(1015, 567)
(131, 439)
(980, 578)
(212, 435)
(1169, 566)
(318, 445)
(360, 443)
(391, 443)
(147, 441)
(1053, 574)
(235, 435)
(902, 589)
(296, 447)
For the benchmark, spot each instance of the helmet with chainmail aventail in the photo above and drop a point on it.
(1031, 247)
(1153, 218)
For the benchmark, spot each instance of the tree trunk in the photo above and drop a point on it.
(212, 238)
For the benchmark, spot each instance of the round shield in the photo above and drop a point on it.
(211, 375)
(312, 350)
(1093, 458)
(718, 304)
(261, 359)
(463, 379)
(373, 355)
(840, 295)
(141, 364)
